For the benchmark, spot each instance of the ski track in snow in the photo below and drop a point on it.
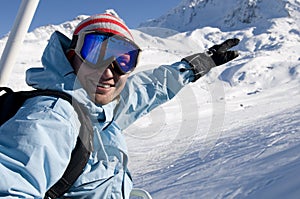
(244, 161)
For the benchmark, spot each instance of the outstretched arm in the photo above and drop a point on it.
(146, 90)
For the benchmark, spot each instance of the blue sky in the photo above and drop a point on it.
(57, 11)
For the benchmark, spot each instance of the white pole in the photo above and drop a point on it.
(16, 37)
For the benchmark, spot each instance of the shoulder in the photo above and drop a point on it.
(41, 118)
(49, 108)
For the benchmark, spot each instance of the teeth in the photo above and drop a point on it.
(104, 85)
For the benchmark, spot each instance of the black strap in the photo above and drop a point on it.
(79, 156)
(84, 144)
(6, 89)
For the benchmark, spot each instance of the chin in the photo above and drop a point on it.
(101, 100)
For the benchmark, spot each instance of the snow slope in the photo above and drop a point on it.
(235, 132)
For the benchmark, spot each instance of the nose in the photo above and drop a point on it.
(108, 73)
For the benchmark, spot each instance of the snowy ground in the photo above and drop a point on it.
(233, 134)
(255, 156)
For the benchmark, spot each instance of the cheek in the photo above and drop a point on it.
(121, 84)
(122, 81)
(88, 82)
(87, 75)
(85, 72)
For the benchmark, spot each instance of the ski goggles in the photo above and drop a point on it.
(100, 49)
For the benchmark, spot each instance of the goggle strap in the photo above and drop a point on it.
(73, 42)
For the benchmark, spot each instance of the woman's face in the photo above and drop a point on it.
(103, 85)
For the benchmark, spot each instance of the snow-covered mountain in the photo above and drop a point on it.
(257, 153)
(236, 132)
(226, 15)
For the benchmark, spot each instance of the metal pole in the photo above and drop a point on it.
(16, 37)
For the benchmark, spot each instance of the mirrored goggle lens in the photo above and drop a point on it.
(125, 52)
(91, 48)
(97, 48)
(127, 62)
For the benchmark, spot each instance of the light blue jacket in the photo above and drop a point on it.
(36, 144)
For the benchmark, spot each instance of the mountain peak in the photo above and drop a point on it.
(226, 15)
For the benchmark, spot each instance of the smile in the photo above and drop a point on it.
(104, 85)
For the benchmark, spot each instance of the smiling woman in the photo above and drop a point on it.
(103, 54)
(44, 132)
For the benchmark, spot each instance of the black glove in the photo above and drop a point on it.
(216, 55)
(220, 53)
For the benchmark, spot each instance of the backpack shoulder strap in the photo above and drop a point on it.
(79, 156)
(12, 101)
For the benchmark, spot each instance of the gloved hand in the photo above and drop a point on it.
(216, 55)
(220, 54)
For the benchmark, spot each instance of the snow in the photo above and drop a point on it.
(235, 132)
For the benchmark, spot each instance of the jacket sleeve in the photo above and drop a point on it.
(146, 90)
(35, 147)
